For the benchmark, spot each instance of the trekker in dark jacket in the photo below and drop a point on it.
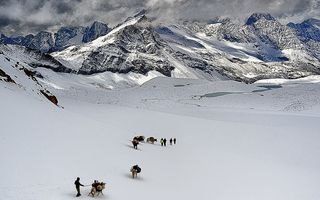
(170, 141)
(78, 184)
(165, 142)
(161, 141)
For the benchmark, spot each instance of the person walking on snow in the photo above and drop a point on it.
(165, 142)
(161, 141)
(78, 184)
(174, 140)
(170, 141)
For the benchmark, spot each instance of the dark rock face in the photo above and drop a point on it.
(43, 42)
(273, 33)
(67, 36)
(258, 16)
(53, 99)
(6, 77)
(307, 30)
(96, 30)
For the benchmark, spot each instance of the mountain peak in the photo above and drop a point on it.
(96, 30)
(141, 13)
(140, 16)
(258, 16)
(97, 23)
(71, 28)
(313, 21)
(44, 33)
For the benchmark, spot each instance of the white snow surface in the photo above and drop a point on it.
(234, 141)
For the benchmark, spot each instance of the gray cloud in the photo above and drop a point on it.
(24, 16)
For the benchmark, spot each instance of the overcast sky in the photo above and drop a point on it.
(30, 16)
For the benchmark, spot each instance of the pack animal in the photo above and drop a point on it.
(135, 143)
(139, 138)
(151, 140)
(97, 188)
(135, 170)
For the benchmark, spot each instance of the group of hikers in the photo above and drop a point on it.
(163, 141)
(97, 186)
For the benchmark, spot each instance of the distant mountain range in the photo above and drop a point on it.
(63, 38)
(260, 48)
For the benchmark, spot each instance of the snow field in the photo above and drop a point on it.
(222, 154)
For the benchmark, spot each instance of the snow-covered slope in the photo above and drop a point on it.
(22, 77)
(233, 145)
(49, 71)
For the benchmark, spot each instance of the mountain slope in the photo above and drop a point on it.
(235, 149)
(22, 77)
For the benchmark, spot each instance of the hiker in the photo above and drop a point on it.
(161, 141)
(174, 141)
(78, 184)
(170, 141)
(165, 142)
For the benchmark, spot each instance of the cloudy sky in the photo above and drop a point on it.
(30, 16)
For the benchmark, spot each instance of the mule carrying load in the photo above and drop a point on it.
(151, 140)
(135, 169)
(139, 138)
(97, 188)
(135, 143)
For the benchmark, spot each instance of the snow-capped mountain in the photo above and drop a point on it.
(131, 47)
(63, 38)
(260, 48)
(309, 33)
(67, 36)
(269, 31)
(263, 30)
(42, 41)
(307, 30)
